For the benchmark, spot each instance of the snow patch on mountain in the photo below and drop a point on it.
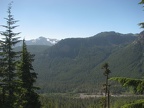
(52, 41)
(43, 41)
(40, 41)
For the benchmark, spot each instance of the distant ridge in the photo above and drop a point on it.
(74, 64)
(41, 41)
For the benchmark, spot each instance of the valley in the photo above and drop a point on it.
(74, 64)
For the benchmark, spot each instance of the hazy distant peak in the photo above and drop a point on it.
(45, 41)
(41, 41)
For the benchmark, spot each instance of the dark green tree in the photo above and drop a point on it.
(106, 85)
(28, 78)
(142, 23)
(9, 59)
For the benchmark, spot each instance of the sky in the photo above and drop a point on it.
(60, 19)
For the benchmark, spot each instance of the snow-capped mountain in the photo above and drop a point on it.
(41, 41)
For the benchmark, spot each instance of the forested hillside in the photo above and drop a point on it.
(74, 64)
(101, 71)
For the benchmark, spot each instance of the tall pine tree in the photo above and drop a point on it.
(28, 78)
(9, 59)
(106, 85)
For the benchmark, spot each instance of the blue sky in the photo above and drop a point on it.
(73, 18)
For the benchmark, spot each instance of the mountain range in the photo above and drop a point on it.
(74, 64)
(40, 41)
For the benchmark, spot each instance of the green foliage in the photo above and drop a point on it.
(137, 84)
(142, 23)
(106, 86)
(138, 87)
(67, 101)
(28, 78)
(16, 85)
(9, 60)
(106, 69)
(142, 2)
(58, 101)
(135, 104)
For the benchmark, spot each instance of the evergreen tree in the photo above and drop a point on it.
(106, 85)
(28, 78)
(142, 23)
(9, 59)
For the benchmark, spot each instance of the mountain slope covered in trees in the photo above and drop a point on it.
(74, 64)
